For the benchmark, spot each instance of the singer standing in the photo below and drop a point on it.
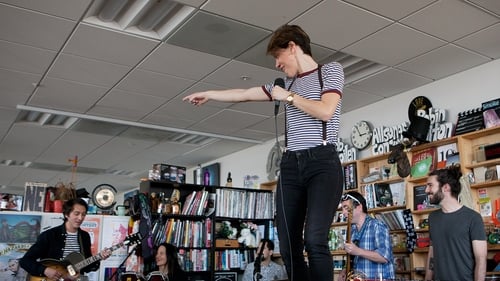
(310, 182)
(264, 268)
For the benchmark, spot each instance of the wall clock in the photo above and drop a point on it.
(103, 196)
(361, 135)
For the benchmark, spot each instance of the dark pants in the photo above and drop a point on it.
(308, 194)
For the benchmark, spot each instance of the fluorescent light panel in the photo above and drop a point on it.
(132, 123)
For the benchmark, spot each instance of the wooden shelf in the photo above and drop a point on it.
(486, 163)
(385, 209)
(423, 212)
(481, 133)
(485, 184)
(493, 247)
(421, 250)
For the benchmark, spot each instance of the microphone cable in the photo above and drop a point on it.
(280, 180)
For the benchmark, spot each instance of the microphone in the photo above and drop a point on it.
(278, 82)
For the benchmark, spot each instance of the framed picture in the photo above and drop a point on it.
(213, 171)
(11, 202)
(226, 276)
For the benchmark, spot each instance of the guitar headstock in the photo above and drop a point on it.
(132, 239)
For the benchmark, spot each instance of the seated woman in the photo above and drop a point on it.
(168, 262)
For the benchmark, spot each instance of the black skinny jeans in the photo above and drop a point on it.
(308, 194)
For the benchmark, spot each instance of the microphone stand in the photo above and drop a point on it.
(119, 269)
(256, 265)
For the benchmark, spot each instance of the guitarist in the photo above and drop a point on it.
(370, 245)
(58, 242)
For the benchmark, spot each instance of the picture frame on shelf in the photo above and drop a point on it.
(226, 276)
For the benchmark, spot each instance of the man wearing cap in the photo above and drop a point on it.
(370, 245)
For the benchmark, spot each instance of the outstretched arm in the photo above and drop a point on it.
(232, 95)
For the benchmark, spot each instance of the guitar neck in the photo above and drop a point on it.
(348, 239)
(95, 258)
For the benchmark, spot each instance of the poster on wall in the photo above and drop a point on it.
(10, 253)
(116, 232)
(17, 234)
(19, 228)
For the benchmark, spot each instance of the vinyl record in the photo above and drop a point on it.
(103, 196)
(418, 103)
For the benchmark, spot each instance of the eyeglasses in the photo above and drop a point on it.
(348, 196)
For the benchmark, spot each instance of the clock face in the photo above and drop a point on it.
(361, 135)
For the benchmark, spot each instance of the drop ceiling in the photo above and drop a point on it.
(107, 87)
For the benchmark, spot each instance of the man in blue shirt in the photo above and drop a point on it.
(370, 244)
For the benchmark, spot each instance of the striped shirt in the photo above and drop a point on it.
(71, 244)
(303, 130)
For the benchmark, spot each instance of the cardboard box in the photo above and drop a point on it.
(226, 243)
(171, 173)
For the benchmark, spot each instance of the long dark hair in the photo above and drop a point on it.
(173, 266)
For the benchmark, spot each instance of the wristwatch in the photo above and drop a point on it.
(289, 99)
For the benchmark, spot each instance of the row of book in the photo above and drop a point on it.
(350, 177)
(425, 161)
(393, 219)
(194, 259)
(244, 204)
(183, 233)
(198, 203)
(385, 194)
(233, 259)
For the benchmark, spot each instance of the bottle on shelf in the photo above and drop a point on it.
(198, 175)
(229, 181)
(206, 177)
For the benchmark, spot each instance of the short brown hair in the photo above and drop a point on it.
(286, 33)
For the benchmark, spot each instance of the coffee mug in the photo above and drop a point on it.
(120, 210)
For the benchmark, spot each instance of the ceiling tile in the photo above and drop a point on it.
(486, 42)
(353, 99)
(16, 87)
(230, 75)
(88, 71)
(114, 47)
(24, 58)
(19, 144)
(33, 28)
(216, 35)
(178, 61)
(70, 9)
(227, 122)
(155, 84)
(126, 105)
(257, 54)
(268, 14)
(66, 95)
(394, 44)
(443, 62)
(326, 31)
(113, 152)
(461, 19)
(393, 9)
(70, 145)
(491, 5)
(390, 82)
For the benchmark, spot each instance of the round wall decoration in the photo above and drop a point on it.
(103, 196)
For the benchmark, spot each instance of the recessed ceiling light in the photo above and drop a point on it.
(245, 78)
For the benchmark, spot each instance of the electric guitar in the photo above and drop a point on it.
(75, 261)
(348, 240)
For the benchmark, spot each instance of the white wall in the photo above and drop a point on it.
(463, 91)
